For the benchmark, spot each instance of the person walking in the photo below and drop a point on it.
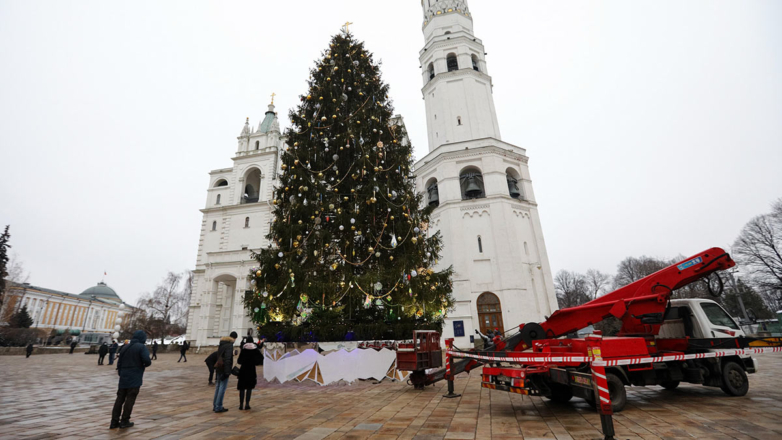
(183, 351)
(249, 358)
(210, 364)
(154, 350)
(223, 367)
(134, 358)
(113, 351)
(104, 348)
(29, 349)
(73, 346)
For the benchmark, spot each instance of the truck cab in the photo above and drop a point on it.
(698, 318)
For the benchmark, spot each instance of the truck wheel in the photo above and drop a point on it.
(670, 384)
(734, 380)
(560, 393)
(616, 388)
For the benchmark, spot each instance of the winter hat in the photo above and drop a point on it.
(234, 335)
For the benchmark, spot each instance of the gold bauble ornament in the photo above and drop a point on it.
(277, 266)
(391, 258)
(333, 116)
(414, 240)
(309, 96)
(371, 249)
(300, 222)
(258, 273)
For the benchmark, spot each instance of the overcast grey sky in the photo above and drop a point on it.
(652, 127)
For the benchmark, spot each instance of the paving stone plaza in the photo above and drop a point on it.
(70, 397)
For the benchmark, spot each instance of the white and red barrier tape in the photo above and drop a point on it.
(521, 358)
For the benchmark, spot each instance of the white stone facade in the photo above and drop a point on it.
(486, 211)
(235, 221)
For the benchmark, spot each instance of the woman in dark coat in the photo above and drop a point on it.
(249, 357)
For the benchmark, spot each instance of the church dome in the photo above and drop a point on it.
(101, 291)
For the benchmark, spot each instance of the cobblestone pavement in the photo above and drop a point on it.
(70, 397)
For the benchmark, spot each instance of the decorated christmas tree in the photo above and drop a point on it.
(349, 234)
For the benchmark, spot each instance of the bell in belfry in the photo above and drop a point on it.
(434, 196)
(513, 188)
(472, 190)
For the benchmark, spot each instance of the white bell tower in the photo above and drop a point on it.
(480, 186)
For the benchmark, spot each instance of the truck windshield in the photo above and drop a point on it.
(717, 316)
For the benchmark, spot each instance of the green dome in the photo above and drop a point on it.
(101, 291)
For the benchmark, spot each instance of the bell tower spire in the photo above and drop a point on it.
(457, 87)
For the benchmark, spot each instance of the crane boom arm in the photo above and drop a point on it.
(639, 305)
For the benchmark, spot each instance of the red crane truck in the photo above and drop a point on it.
(661, 342)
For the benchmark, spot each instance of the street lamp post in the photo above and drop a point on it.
(738, 295)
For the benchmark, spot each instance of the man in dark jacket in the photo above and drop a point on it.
(225, 354)
(154, 350)
(113, 351)
(210, 364)
(183, 351)
(104, 348)
(73, 346)
(30, 351)
(134, 358)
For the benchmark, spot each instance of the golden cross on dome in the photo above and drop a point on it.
(347, 24)
(273, 95)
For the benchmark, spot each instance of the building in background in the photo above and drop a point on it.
(90, 315)
(235, 222)
(481, 186)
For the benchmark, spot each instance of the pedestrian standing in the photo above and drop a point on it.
(29, 349)
(223, 367)
(210, 364)
(113, 351)
(249, 358)
(73, 346)
(183, 351)
(134, 358)
(104, 348)
(154, 350)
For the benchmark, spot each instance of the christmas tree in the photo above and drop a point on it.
(348, 230)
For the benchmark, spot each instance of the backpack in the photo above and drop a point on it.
(220, 364)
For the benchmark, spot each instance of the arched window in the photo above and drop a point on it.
(257, 144)
(458, 120)
(433, 195)
(221, 182)
(480, 245)
(214, 226)
(247, 222)
(431, 71)
(475, 63)
(471, 182)
(514, 190)
(218, 200)
(453, 64)
(252, 186)
(489, 313)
